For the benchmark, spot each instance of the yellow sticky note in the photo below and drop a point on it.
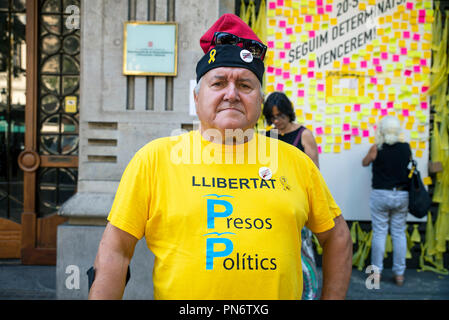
(371, 140)
(358, 140)
(329, 139)
(327, 148)
(318, 139)
(338, 138)
(347, 146)
(327, 130)
(419, 153)
(422, 145)
(309, 116)
(427, 181)
(337, 148)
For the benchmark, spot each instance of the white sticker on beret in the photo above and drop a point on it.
(246, 56)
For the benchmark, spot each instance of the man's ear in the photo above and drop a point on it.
(195, 98)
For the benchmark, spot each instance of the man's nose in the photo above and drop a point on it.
(232, 92)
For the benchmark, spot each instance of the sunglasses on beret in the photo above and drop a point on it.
(257, 49)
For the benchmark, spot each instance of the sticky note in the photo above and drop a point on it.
(337, 148)
(358, 140)
(427, 181)
(419, 153)
(337, 130)
(328, 130)
(355, 131)
(327, 148)
(319, 130)
(347, 146)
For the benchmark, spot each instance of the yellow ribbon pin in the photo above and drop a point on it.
(212, 56)
(284, 183)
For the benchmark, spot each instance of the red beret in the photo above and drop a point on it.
(227, 23)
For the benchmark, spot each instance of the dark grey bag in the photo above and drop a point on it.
(419, 201)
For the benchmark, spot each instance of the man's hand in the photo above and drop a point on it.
(337, 260)
(111, 264)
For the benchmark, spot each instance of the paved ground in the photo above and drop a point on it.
(19, 282)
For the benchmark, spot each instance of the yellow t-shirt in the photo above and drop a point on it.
(220, 230)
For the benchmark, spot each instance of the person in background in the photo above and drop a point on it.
(389, 197)
(278, 110)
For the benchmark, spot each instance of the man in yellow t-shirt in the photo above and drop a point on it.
(220, 209)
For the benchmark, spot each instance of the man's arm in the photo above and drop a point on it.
(111, 264)
(337, 260)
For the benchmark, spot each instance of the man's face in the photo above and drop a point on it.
(229, 98)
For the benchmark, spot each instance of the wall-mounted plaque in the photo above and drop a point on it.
(150, 48)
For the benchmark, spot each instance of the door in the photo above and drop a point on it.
(48, 158)
(12, 123)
